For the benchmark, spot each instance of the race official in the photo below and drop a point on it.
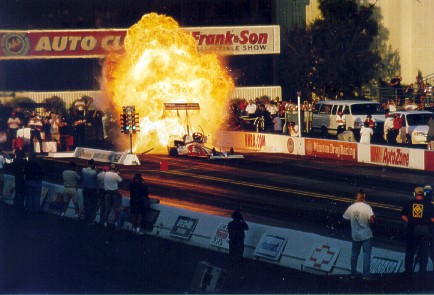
(418, 215)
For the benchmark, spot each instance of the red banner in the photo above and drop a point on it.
(331, 149)
(59, 44)
(95, 43)
(429, 160)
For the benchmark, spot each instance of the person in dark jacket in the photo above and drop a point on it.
(33, 173)
(19, 165)
(236, 230)
(418, 214)
(139, 202)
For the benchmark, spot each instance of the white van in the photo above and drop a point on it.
(355, 111)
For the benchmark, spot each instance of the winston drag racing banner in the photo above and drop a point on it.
(95, 43)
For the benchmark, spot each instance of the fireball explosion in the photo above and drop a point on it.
(160, 64)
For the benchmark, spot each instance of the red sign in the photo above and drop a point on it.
(254, 140)
(429, 160)
(390, 156)
(59, 44)
(331, 149)
(96, 43)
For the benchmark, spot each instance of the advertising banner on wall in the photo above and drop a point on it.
(322, 257)
(221, 237)
(390, 156)
(183, 227)
(270, 247)
(95, 43)
(59, 43)
(429, 160)
(331, 149)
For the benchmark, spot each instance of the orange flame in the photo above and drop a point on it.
(160, 64)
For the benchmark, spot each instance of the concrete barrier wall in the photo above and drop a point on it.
(289, 248)
(394, 156)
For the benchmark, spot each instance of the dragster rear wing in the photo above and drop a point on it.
(226, 157)
(182, 106)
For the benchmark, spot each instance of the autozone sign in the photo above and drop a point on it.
(37, 44)
(390, 156)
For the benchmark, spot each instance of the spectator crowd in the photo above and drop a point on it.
(270, 115)
(27, 129)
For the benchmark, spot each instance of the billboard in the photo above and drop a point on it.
(95, 43)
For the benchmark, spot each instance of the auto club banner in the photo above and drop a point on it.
(40, 44)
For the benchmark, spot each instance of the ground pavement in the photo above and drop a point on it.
(44, 253)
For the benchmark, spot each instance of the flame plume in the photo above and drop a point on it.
(160, 64)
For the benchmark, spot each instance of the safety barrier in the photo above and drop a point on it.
(394, 156)
(286, 247)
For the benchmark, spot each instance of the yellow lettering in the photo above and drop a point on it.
(88, 43)
(74, 41)
(43, 44)
(59, 44)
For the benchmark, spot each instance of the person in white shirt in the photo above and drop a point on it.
(388, 126)
(112, 198)
(362, 217)
(14, 123)
(392, 106)
(35, 125)
(272, 108)
(341, 121)
(366, 133)
(101, 192)
(251, 108)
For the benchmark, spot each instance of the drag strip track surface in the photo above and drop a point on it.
(301, 193)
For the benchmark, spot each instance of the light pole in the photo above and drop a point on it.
(299, 113)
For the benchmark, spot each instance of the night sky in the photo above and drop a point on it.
(81, 74)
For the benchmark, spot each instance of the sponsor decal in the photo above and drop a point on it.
(96, 43)
(254, 140)
(390, 156)
(290, 145)
(331, 149)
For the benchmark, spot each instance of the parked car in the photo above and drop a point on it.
(355, 111)
(414, 127)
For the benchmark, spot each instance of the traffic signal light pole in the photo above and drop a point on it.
(129, 123)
